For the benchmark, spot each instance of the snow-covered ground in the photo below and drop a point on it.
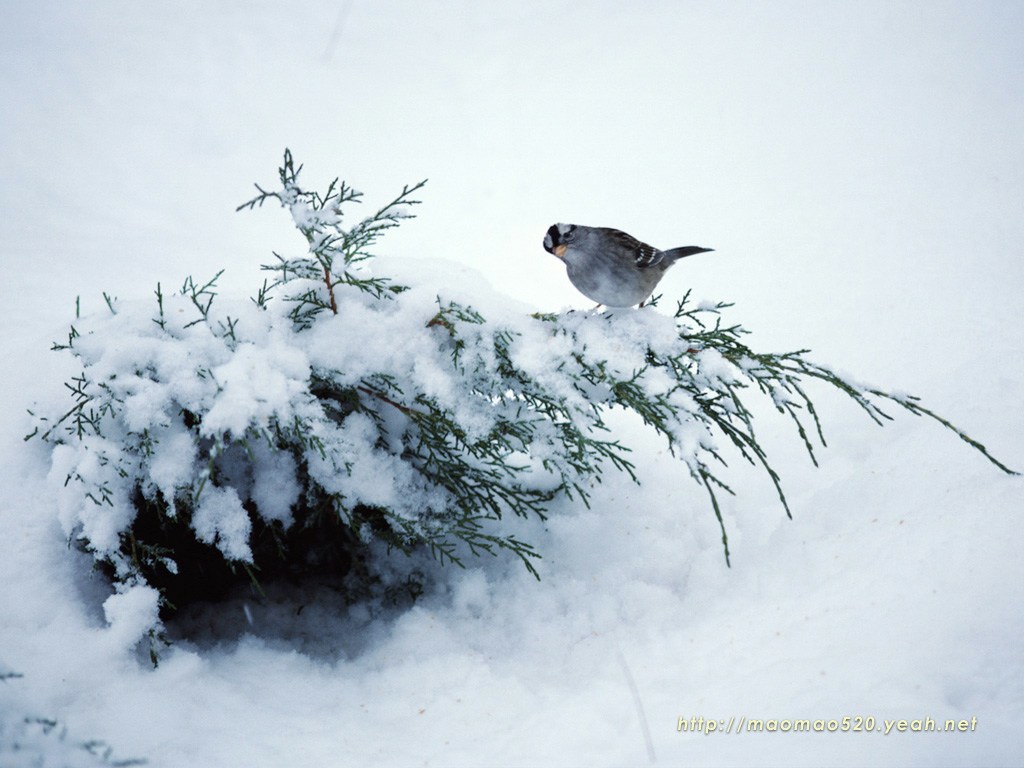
(859, 169)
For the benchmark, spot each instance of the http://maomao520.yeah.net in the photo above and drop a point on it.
(847, 724)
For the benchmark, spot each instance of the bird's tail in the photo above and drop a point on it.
(684, 251)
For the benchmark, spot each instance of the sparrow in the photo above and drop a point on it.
(609, 266)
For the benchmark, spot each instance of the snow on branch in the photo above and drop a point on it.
(341, 415)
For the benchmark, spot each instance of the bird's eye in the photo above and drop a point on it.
(569, 233)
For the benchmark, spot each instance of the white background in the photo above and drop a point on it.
(859, 170)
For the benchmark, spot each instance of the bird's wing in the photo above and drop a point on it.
(644, 255)
(648, 256)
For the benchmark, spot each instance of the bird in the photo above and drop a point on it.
(609, 266)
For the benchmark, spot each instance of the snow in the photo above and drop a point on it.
(220, 519)
(275, 489)
(129, 615)
(174, 457)
(858, 170)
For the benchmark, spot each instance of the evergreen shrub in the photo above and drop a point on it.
(341, 416)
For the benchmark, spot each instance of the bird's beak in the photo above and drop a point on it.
(559, 251)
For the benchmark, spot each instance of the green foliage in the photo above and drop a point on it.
(334, 251)
(340, 416)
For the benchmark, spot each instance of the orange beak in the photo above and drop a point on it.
(560, 251)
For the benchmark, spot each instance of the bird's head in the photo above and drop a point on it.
(558, 238)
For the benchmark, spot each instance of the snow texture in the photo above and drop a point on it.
(858, 170)
(220, 519)
(129, 614)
